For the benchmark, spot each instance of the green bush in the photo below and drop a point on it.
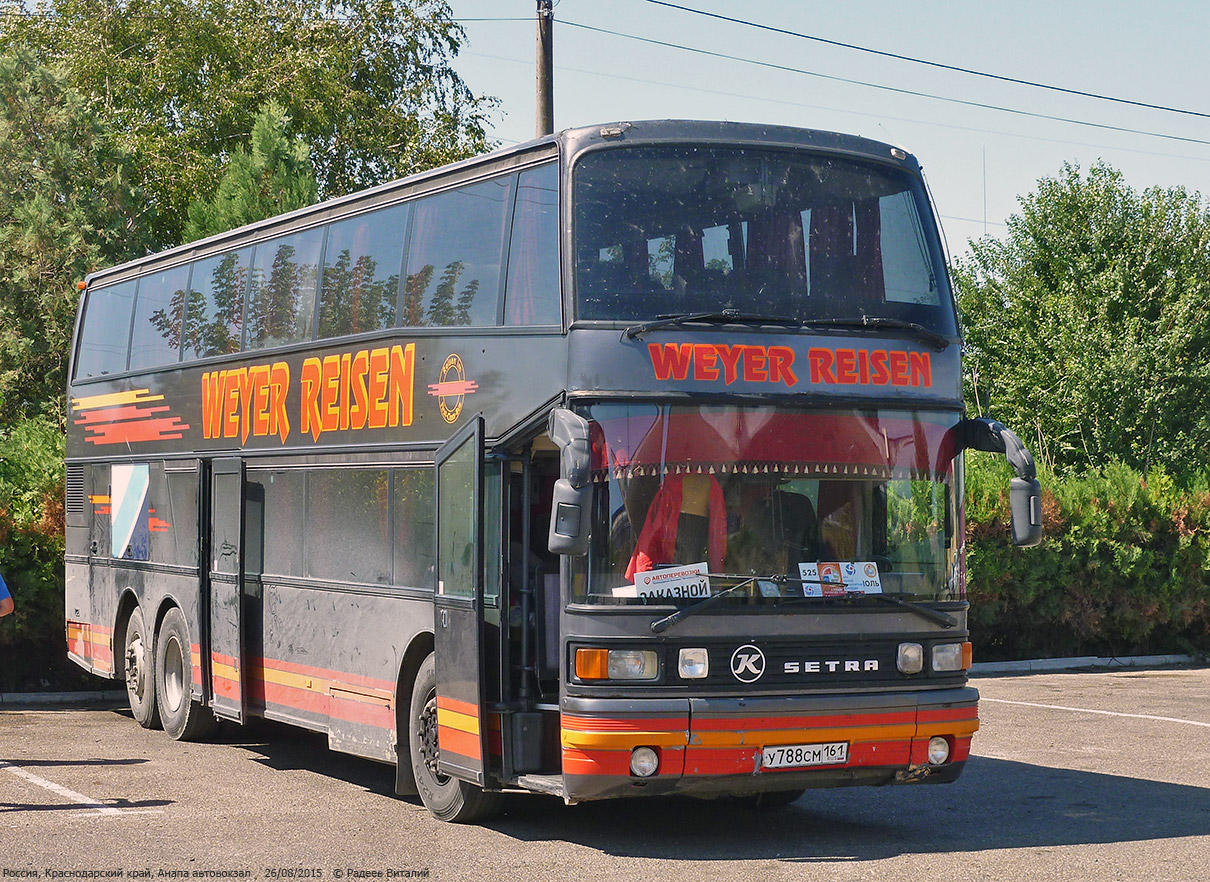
(32, 643)
(1123, 569)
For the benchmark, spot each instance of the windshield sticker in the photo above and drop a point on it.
(688, 581)
(837, 578)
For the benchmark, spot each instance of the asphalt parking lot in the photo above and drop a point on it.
(1076, 776)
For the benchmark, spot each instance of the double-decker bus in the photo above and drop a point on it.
(626, 461)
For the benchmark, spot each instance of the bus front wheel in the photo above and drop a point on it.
(184, 719)
(447, 798)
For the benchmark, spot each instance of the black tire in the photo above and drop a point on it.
(446, 798)
(184, 719)
(138, 663)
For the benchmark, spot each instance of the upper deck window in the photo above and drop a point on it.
(214, 318)
(456, 257)
(669, 229)
(156, 337)
(106, 333)
(281, 296)
(362, 261)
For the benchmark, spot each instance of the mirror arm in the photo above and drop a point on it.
(992, 436)
(569, 431)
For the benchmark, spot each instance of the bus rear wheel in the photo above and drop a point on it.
(184, 719)
(447, 798)
(138, 659)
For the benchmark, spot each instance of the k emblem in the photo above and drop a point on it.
(747, 663)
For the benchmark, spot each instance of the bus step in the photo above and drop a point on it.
(552, 784)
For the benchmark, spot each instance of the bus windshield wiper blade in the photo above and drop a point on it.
(716, 317)
(661, 625)
(933, 615)
(933, 338)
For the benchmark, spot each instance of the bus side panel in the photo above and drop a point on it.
(332, 658)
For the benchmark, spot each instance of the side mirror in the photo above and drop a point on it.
(1024, 491)
(1025, 499)
(569, 517)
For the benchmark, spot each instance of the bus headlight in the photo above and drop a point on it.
(939, 750)
(910, 659)
(644, 762)
(617, 664)
(951, 657)
(693, 664)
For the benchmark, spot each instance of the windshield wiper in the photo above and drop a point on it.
(661, 625)
(932, 338)
(715, 317)
(933, 615)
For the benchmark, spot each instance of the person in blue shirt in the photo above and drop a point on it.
(6, 599)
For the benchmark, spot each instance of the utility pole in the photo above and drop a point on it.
(545, 116)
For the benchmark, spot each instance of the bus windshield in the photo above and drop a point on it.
(799, 503)
(666, 230)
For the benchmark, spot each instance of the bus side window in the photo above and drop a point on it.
(156, 338)
(362, 263)
(455, 256)
(281, 298)
(348, 525)
(532, 295)
(106, 331)
(214, 316)
(415, 529)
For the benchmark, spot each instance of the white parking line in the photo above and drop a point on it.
(1104, 713)
(79, 798)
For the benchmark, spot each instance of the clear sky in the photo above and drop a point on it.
(977, 160)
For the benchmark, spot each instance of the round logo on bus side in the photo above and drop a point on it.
(451, 388)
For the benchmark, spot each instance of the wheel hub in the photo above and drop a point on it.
(428, 735)
(135, 669)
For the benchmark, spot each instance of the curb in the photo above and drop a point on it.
(1081, 663)
(59, 699)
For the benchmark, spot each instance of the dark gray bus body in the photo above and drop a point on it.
(282, 498)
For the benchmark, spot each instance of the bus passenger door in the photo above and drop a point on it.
(459, 605)
(226, 583)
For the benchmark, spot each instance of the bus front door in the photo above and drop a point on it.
(226, 584)
(459, 605)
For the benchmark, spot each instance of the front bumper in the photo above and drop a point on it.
(711, 746)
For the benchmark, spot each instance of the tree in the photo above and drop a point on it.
(273, 176)
(367, 83)
(67, 207)
(1088, 325)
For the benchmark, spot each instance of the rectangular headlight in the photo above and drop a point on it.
(911, 658)
(617, 664)
(633, 664)
(951, 657)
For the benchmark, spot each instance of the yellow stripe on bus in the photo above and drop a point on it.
(134, 396)
(455, 720)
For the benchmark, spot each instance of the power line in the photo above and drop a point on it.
(843, 110)
(936, 64)
(885, 88)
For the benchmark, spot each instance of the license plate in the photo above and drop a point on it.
(788, 756)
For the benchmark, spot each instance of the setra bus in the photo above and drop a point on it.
(625, 461)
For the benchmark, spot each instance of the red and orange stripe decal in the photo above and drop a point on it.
(126, 417)
(458, 728)
(92, 644)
